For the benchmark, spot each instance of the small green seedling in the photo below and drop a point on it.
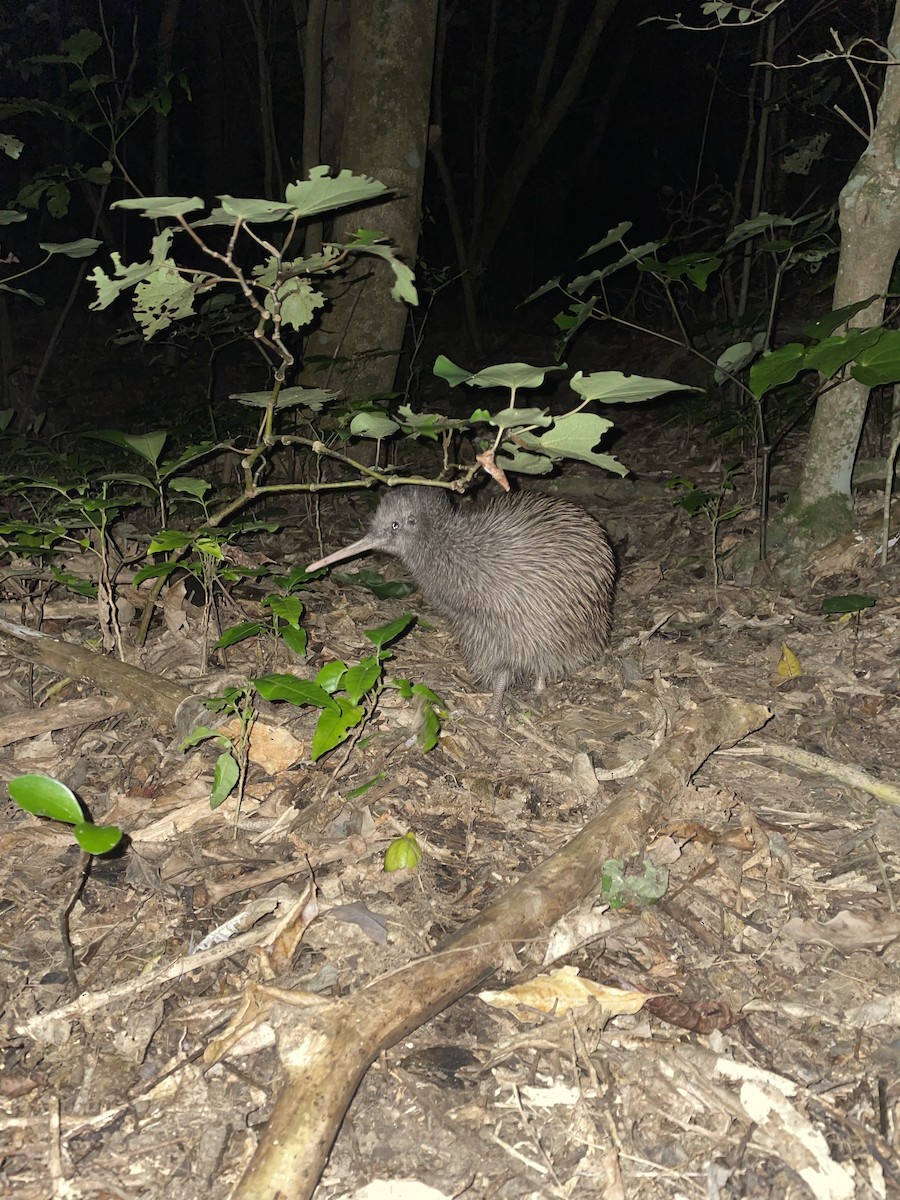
(47, 797)
(403, 852)
(620, 885)
(846, 607)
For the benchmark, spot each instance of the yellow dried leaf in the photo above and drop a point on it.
(559, 991)
(789, 664)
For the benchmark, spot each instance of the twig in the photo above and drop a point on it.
(846, 773)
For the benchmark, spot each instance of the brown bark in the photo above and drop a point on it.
(384, 135)
(327, 1049)
(161, 700)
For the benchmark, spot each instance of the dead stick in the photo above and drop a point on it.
(328, 1048)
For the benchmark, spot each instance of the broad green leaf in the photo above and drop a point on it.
(295, 640)
(190, 486)
(161, 206)
(387, 633)
(573, 436)
(299, 302)
(288, 608)
(514, 458)
(832, 353)
(169, 539)
(323, 193)
(772, 370)
(334, 725)
(155, 571)
(384, 589)
(97, 839)
(847, 604)
(294, 690)
(404, 288)
(514, 418)
(508, 375)
(82, 248)
(373, 425)
(614, 235)
(225, 777)
(239, 633)
(880, 362)
(210, 545)
(612, 387)
(148, 445)
(823, 326)
(752, 227)
(12, 147)
(329, 677)
(358, 680)
(164, 296)
(202, 734)
(46, 797)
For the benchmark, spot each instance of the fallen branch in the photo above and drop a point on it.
(847, 773)
(326, 1050)
(164, 701)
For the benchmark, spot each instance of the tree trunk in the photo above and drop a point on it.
(165, 38)
(384, 135)
(870, 240)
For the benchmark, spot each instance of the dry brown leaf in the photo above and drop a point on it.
(561, 991)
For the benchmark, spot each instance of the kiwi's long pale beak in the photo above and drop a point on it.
(358, 547)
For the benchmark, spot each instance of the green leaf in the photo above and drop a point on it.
(508, 375)
(356, 792)
(823, 326)
(384, 589)
(612, 387)
(615, 235)
(155, 571)
(295, 640)
(161, 206)
(333, 727)
(433, 709)
(373, 425)
(358, 680)
(190, 486)
(82, 248)
(879, 363)
(847, 604)
(287, 608)
(225, 777)
(515, 418)
(403, 853)
(203, 732)
(387, 633)
(404, 280)
(323, 193)
(573, 436)
(832, 353)
(294, 690)
(239, 633)
(46, 797)
(148, 445)
(329, 677)
(772, 370)
(169, 539)
(97, 839)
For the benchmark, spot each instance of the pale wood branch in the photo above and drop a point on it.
(327, 1049)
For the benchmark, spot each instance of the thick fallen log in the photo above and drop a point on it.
(327, 1046)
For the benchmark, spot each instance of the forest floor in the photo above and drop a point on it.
(771, 1069)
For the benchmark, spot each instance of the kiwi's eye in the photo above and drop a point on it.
(395, 524)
